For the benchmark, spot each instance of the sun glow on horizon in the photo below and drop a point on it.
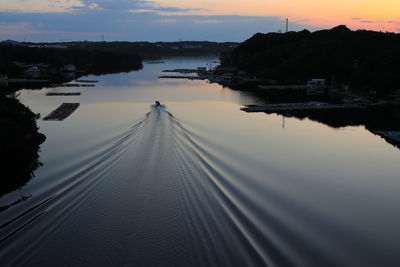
(168, 20)
(368, 14)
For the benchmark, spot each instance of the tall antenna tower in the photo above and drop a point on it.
(102, 37)
(287, 25)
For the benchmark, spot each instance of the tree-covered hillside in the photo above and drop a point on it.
(365, 60)
(91, 61)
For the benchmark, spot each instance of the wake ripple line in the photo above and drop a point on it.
(230, 205)
(102, 162)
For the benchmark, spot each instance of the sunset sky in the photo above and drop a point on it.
(171, 20)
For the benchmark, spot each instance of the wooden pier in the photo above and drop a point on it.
(309, 106)
(62, 112)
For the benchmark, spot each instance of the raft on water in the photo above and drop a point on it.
(61, 93)
(62, 112)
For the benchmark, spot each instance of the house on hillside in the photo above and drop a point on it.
(192, 46)
(69, 68)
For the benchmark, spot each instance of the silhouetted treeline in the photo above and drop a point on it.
(91, 61)
(365, 60)
(157, 49)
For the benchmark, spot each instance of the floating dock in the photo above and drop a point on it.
(309, 106)
(182, 70)
(181, 77)
(282, 87)
(87, 81)
(155, 62)
(62, 112)
(25, 81)
(71, 85)
(61, 93)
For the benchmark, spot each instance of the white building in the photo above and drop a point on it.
(69, 68)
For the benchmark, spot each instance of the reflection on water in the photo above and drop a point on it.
(199, 183)
(18, 166)
(380, 122)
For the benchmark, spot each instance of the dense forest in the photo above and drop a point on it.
(363, 60)
(158, 49)
(91, 61)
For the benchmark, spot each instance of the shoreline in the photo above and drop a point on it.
(20, 144)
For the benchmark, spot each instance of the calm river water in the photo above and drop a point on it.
(199, 183)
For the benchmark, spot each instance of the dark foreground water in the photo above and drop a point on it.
(198, 183)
